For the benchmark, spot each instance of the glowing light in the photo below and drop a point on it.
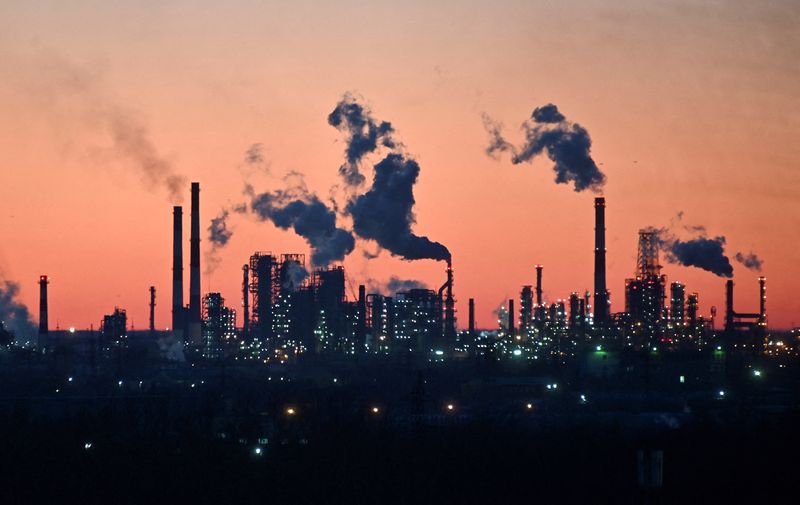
(721, 393)
(517, 352)
(87, 446)
(375, 410)
(757, 373)
(258, 451)
(290, 411)
(72, 329)
(529, 406)
(450, 406)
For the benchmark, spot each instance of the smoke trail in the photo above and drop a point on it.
(132, 144)
(74, 99)
(700, 252)
(384, 213)
(567, 144)
(14, 315)
(750, 260)
(364, 135)
(254, 154)
(309, 217)
(218, 236)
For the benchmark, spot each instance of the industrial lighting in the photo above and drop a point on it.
(72, 329)
(450, 406)
(757, 373)
(529, 406)
(87, 446)
(290, 411)
(375, 410)
(258, 451)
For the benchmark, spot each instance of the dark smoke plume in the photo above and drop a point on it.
(218, 232)
(364, 135)
(384, 213)
(567, 144)
(750, 260)
(309, 217)
(699, 251)
(14, 315)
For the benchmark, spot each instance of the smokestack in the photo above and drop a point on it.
(177, 269)
(361, 328)
(600, 291)
(447, 303)
(246, 301)
(729, 315)
(152, 309)
(194, 268)
(539, 285)
(472, 317)
(511, 318)
(762, 297)
(43, 324)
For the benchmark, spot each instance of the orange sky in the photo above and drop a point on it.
(692, 106)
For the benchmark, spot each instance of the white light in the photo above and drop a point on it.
(119, 383)
(87, 446)
(517, 352)
(757, 373)
(71, 329)
(258, 451)
(722, 393)
(69, 379)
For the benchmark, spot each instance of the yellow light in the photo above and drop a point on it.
(375, 410)
(529, 406)
(290, 411)
(450, 406)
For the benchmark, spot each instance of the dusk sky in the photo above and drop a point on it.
(692, 107)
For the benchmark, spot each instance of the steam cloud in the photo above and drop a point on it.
(294, 275)
(396, 285)
(364, 135)
(750, 260)
(567, 144)
(309, 217)
(384, 213)
(14, 315)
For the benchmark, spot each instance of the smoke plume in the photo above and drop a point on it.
(363, 136)
(309, 217)
(567, 144)
(218, 236)
(750, 261)
(700, 251)
(14, 315)
(384, 213)
(76, 101)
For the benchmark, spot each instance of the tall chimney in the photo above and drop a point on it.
(762, 304)
(511, 329)
(194, 268)
(43, 324)
(177, 269)
(449, 307)
(152, 309)
(600, 291)
(539, 285)
(471, 317)
(361, 323)
(729, 314)
(246, 302)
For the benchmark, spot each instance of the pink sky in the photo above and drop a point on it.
(692, 106)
